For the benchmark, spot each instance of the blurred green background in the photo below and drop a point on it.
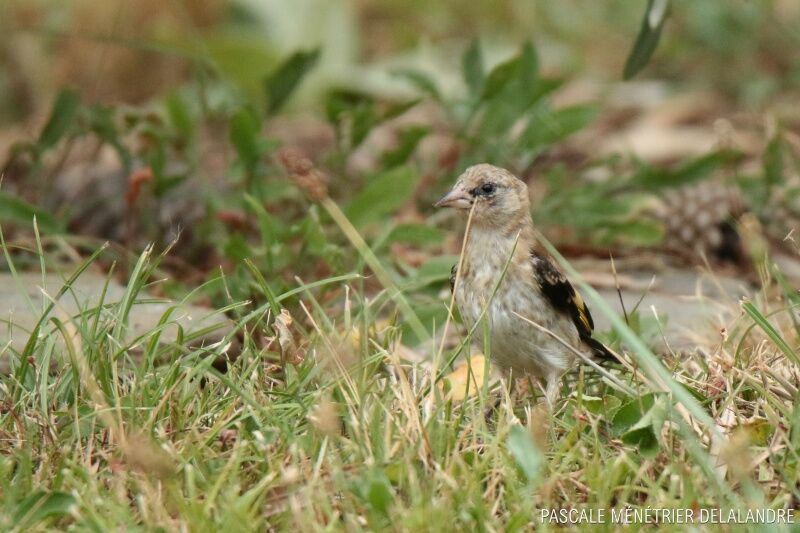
(129, 52)
(138, 121)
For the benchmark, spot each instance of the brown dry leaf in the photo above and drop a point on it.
(289, 350)
(465, 381)
(135, 182)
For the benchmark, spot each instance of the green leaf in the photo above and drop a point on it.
(180, 116)
(364, 120)
(41, 505)
(695, 170)
(409, 139)
(419, 234)
(528, 67)
(62, 117)
(632, 232)
(237, 248)
(421, 81)
(268, 226)
(13, 209)
(773, 161)
(363, 111)
(101, 122)
(245, 135)
(643, 438)
(379, 494)
(382, 196)
(499, 78)
(601, 406)
(550, 127)
(437, 268)
(645, 432)
(431, 315)
(313, 233)
(341, 101)
(397, 109)
(631, 413)
(472, 68)
(527, 455)
(647, 40)
(284, 80)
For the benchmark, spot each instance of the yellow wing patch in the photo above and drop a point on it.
(583, 314)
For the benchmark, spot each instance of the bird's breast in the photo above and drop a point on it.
(493, 285)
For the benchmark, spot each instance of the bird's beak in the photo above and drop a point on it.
(457, 198)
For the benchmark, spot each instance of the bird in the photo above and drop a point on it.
(507, 276)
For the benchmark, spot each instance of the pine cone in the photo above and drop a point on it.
(701, 219)
(781, 215)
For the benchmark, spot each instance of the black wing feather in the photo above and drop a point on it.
(563, 297)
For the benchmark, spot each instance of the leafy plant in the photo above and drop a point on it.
(506, 116)
(649, 34)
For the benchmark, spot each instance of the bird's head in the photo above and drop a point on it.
(499, 198)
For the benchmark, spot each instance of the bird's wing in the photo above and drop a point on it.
(453, 272)
(557, 289)
(559, 292)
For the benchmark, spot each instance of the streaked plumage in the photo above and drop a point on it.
(501, 238)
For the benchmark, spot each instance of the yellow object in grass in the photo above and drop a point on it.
(465, 381)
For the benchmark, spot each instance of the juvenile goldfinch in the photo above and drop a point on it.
(532, 285)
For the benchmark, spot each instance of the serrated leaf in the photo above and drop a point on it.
(525, 452)
(384, 193)
(13, 209)
(472, 67)
(62, 118)
(287, 77)
(647, 40)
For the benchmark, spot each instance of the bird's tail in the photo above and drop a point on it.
(600, 351)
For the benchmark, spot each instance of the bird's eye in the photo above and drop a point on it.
(488, 188)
